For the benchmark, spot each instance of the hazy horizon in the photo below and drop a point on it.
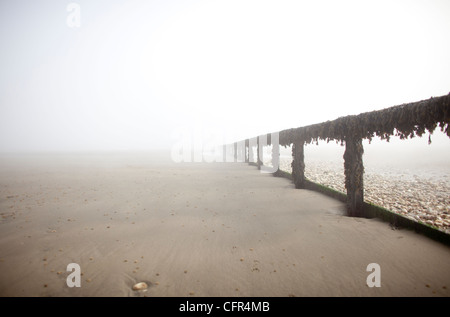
(138, 75)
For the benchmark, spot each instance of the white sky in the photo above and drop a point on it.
(136, 73)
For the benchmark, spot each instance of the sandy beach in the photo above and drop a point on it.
(193, 229)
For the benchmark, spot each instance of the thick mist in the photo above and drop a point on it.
(130, 75)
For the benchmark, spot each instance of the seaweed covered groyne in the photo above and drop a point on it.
(405, 121)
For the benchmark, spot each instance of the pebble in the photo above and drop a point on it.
(140, 286)
(420, 197)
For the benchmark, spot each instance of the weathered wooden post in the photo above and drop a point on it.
(298, 163)
(354, 176)
(251, 154)
(246, 151)
(259, 153)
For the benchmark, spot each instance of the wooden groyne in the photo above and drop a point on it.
(405, 121)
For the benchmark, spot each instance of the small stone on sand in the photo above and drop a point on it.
(140, 286)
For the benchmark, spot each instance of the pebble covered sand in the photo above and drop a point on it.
(419, 196)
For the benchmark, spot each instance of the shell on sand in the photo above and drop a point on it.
(140, 286)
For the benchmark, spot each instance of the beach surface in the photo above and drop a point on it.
(193, 229)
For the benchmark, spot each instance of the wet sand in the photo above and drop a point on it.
(192, 229)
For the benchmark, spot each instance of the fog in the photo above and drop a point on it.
(398, 154)
(136, 75)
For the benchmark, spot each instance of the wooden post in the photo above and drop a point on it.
(354, 176)
(259, 153)
(298, 164)
(251, 153)
(246, 151)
